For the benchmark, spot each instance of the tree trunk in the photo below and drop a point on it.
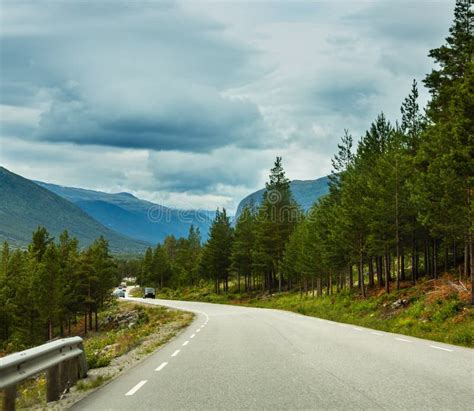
(387, 272)
(351, 278)
(90, 318)
(378, 263)
(435, 259)
(466, 258)
(312, 286)
(446, 258)
(320, 288)
(402, 267)
(371, 272)
(96, 322)
(426, 261)
(361, 274)
(413, 260)
(471, 252)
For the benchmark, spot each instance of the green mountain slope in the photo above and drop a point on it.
(24, 206)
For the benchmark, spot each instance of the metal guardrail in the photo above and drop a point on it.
(63, 360)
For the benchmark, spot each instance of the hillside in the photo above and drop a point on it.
(24, 206)
(132, 216)
(305, 192)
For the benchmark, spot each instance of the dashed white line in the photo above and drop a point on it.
(441, 348)
(192, 336)
(375, 333)
(175, 353)
(198, 330)
(163, 365)
(137, 387)
(357, 329)
(403, 340)
(185, 343)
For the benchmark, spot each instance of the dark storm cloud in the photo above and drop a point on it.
(147, 76)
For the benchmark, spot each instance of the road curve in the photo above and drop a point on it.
(235, 357)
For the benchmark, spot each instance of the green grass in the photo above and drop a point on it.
(434, 309)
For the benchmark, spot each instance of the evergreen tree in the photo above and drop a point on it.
(276, 219)
(244, 239)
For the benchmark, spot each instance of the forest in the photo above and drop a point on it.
(400, 208)
(46, 289)
(400, 203)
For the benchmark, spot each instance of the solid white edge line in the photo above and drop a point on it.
(403, 339)
(185, 343)
(440, 348)
(175, 353)
(137, 387)
(375, 333)
(163, 365)
(357, 329)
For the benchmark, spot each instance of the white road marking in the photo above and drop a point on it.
(137, 387)
(357, 329)
(185, 343)
(341, 325)
(175, 353)
(198, 330)
(440, 348)
(403, 339)
(163, 365)
(375, 333)
(192, 336)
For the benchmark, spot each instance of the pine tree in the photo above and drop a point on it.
(276, 219)
(244, 239)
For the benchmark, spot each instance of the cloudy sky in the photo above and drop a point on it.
(188, 103)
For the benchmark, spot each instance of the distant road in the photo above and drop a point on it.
(249, 358)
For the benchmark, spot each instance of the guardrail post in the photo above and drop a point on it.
(52, 384)
(64, 375)
(9, 397)
(74, 371)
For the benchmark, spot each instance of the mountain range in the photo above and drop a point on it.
(25, 205)
(132, 216)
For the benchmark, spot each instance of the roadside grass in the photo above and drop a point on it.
(437, 310)
(93, 383)
(103, 346)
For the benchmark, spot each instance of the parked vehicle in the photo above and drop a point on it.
(118, 293)
(149, 293)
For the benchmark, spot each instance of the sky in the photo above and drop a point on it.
(187, 103)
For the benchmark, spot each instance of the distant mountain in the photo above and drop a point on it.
(305, 192)
(133, 217)
(24, 206)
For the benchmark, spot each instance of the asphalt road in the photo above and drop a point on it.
(249, 358)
